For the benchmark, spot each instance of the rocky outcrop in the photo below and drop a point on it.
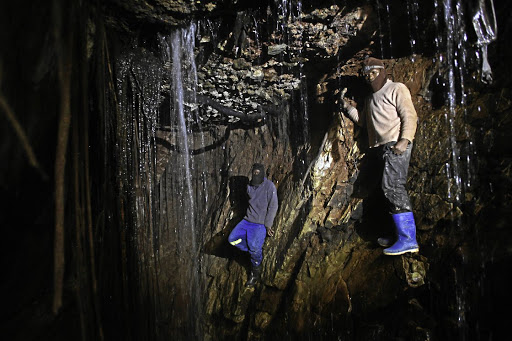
(269, 77)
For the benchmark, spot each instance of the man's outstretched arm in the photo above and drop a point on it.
(351, 111)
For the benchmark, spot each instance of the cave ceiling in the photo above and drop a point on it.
(251, 61)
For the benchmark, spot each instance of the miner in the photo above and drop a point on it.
(391, 121)
(249, 234)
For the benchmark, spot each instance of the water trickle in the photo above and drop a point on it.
(454, 49)
(388, 17)
(183, 187)
(291, 29)
(455, 63)
(486, 29)
(257, 40)
(181, 45)
(454, 60)
(138, 83)
(413, 22)
(381, 35)
(283, 11)
(384, 22)
(303, 114)
(157, 101)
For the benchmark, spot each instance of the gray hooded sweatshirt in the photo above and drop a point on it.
(263, 203)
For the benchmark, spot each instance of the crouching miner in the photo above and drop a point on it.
(391, 121)
(249, 234)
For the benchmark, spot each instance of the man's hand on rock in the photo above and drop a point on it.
(346, 105)
(270, 232)
(344, 102)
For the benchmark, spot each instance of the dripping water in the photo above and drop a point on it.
(257, 39)
(412, 11)
(184, 175)
(290, 13)
(453, 46)
(452, 169)
(283, 10)
(138, 84)
(162, 210)
(381, 35)
(303, 113)
(210, 30)
(452, 54)
(386, 17)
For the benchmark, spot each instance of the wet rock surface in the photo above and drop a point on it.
(268, 86)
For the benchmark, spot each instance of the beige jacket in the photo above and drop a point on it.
(389, 114)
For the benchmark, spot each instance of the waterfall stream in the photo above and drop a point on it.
(183, 94)
(454, 50)
(157, 116)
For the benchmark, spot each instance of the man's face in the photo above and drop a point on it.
(255, 172)
(371, 75)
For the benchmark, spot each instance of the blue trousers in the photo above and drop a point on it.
(249, 237)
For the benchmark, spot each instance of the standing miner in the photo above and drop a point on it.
(391, 121)
(249, 234)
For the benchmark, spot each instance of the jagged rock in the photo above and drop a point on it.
(324, 277)
(274, 50)
(241, 64)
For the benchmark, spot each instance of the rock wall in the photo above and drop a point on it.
(269, 78)
(323, 274)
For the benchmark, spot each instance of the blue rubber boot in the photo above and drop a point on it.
(406, 235)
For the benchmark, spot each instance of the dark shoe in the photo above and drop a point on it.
(325, 234)
(385, 241)
(255, 276)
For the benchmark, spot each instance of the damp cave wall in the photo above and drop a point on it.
(464, 244)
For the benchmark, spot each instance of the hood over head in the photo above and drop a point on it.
(374, 63)
(258, 174)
